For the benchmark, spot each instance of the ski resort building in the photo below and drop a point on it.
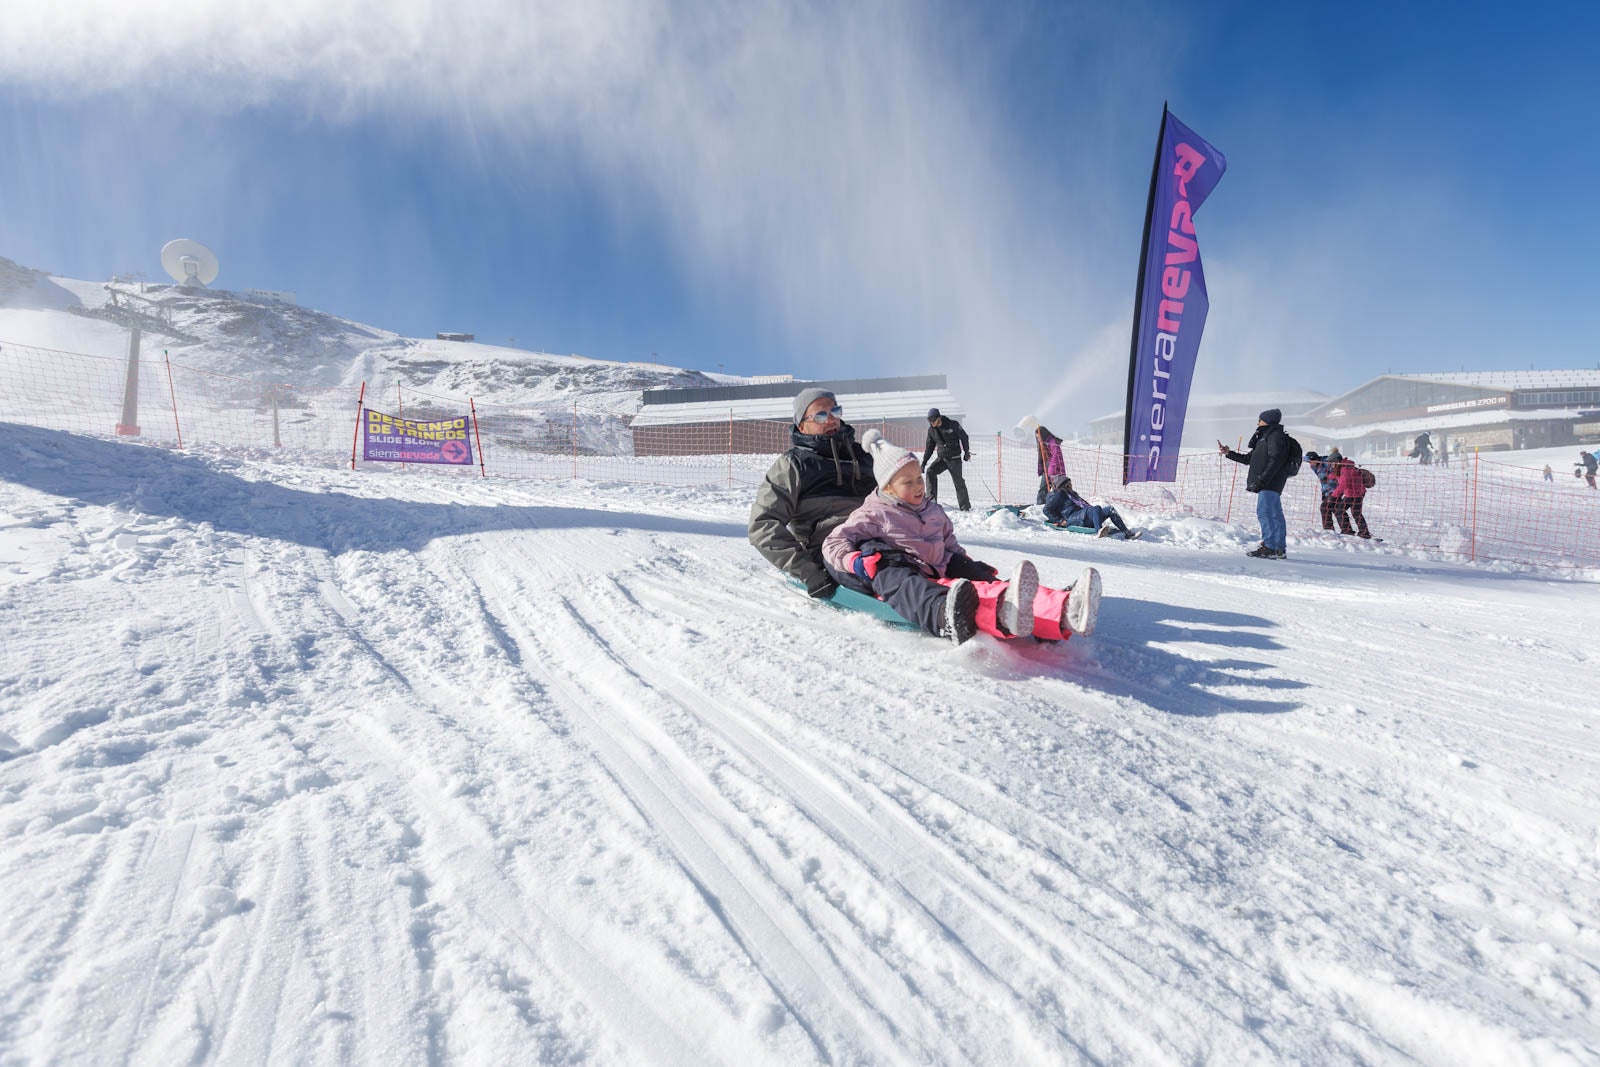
(1490, 411)
(757, 418)
(1225, 417)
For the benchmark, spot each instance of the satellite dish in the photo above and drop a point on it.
(189, 262)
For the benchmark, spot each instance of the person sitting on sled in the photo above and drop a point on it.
(900, 547)
(1063, 507)
(809, 490)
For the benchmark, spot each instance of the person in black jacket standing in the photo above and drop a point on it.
(949, 440)
(1269, 458)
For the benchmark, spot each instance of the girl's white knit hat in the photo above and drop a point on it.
(887, 457)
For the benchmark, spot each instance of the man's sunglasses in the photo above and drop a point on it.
(824, 416)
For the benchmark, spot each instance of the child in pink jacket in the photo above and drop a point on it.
(1348, 494)
(901, 548)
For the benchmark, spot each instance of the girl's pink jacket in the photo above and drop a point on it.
(924, 532)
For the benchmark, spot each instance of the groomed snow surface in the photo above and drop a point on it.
(301, 765)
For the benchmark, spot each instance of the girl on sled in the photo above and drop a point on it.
(901, 548)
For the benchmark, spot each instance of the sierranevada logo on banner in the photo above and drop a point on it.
(387, 439)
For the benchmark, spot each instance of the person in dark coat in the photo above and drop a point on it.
(810, 490)
(949, 441)
(1064, 507)
(1422, 448)
(1268, 458)
(1588, 464)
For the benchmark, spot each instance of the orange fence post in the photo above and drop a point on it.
(730, 448)
(172, 393)
(477, 437)
(360, 403)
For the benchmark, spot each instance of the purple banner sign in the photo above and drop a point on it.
(1169, 311)
(386, 439)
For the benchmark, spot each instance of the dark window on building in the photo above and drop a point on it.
(1396, 394)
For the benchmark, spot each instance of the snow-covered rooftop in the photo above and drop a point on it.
(1288, 399)
(1452, 420)
(858, 407)
(1513, 379)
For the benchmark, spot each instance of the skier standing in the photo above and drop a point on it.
(949, 440)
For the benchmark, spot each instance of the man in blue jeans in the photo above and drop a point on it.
(1269, 460)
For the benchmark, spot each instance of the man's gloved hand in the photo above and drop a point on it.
(966, 457)
(965, 562)
(821, 588)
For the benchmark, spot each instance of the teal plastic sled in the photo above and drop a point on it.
(1017, 510)
(850, 600)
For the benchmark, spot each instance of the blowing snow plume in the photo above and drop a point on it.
(844, 170)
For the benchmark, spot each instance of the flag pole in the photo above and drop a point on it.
(1138, 301)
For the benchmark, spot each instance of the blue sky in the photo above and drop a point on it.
(836, 189)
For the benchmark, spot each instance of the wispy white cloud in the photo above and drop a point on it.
(843, 167)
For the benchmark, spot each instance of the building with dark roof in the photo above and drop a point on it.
(757, 418)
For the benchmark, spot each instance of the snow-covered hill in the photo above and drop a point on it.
(233, 333)
(301, 765)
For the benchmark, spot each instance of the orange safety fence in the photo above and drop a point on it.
(1475, 509)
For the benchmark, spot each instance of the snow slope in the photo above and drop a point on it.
(301, 765)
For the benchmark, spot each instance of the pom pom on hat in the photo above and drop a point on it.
(887, 457)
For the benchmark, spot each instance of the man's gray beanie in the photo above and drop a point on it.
(808, 397)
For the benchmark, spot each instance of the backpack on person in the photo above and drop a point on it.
(1296, 455)
(1368, 479)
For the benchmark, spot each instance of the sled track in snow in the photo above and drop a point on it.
(609, 791)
